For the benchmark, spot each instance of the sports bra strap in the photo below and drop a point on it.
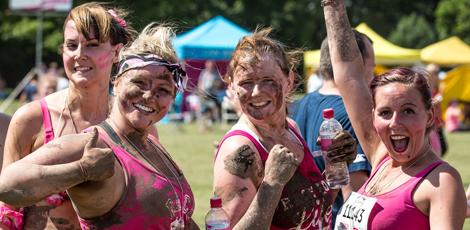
(46, 121)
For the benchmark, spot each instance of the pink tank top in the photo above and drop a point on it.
(55, 199)
(396, 209)
(306, 199)
(149, 200)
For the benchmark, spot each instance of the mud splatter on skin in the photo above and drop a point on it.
(269, 87)
(244, 164)
(228, 192)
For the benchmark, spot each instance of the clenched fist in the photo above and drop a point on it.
(280, 165)
(96, 163)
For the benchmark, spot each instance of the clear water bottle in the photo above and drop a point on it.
(337, 174)
(217, 218)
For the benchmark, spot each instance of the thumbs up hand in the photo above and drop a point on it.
(96, 163)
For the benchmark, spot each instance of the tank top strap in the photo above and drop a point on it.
(105, 137)
(263, 153)
(46, 121)
(299, 137)
(153, 139)
(421, 175)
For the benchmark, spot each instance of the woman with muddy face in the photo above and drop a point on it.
(410, 187)
(116, 174)
(264, 172)
(93, 34)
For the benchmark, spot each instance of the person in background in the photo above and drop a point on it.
(307, 113)
(209, 85)
(453, 115)
(437, 136)
(47, 84)
(314, 82)
(120, 176)
(263, 169)
(410, 186)
(30, 90)
(94, 33)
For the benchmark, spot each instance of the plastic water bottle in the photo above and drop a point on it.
(217, 218)
(337, 174)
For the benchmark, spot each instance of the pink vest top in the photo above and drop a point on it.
(149, 200)
(396, 209)
(55, 199)
(306, 199)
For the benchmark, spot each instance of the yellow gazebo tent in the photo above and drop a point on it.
(386, 53)
(456, 85)
(450, 51)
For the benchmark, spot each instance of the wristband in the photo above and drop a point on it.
(11, 218)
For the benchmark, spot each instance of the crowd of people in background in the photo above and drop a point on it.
(82, 154)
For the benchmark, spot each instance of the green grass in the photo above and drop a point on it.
(194, 151)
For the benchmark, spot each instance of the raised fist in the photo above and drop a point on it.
(280, 165)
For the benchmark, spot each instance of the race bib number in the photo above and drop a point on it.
(355, 212)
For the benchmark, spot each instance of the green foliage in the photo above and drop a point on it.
(413, 31)
(452, 18)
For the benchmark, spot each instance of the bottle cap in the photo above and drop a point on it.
(216, 202)
(328, 113)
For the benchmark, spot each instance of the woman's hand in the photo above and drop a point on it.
(280, 165)
(342, 149)
(96, 163)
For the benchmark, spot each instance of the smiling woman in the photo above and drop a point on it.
(119, 176)
(93, 38)
(263, 171)
(410, 186)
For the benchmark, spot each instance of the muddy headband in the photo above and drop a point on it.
(141, 60)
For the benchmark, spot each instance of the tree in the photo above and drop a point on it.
(452, 17)
(413, 31)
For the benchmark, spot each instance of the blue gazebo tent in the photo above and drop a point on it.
(214, 40)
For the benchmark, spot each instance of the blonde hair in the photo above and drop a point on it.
(154, 39)
(252, 47)
(97, 17)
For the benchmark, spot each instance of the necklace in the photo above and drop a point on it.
(375, 189)
(66, 105)
(179, 222)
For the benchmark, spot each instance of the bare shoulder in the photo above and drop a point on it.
(24, 129)
(442, 182)
(445, 175)
(28, 115)
(239, 160)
